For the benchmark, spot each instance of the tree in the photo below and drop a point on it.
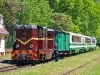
(85, 14)
(38, 12)
(62, 22)
(9, 8)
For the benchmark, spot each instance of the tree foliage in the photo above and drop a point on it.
(9, 8)
(61, 22)
(37, 12)
(85, 14)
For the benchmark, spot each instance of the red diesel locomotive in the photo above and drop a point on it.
(33, 43)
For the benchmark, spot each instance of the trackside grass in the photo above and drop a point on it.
(91, 69)
(7, 55)
(64, 65)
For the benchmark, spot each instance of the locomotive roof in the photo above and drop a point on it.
(50, 29)
(26, 26)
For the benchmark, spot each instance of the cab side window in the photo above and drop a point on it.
(40, 33)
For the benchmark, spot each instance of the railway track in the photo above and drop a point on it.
(11, 68)
(80, 66)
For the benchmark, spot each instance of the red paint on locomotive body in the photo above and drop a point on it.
(29, 54)
(33, 43)
(51, 38)
(44, 51)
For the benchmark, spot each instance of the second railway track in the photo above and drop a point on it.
(10, 68)
(68, 72)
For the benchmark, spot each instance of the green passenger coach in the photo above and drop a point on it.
(87, 44)
(71, 43)
(93, 43)
(62, 39)
(76, 43)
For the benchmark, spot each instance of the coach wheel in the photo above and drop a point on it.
(73, 51)
(80, 51)
(84, 50)
(92, 49)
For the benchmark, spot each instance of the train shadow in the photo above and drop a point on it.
(7, 61)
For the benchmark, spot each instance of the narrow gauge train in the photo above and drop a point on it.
(36, 43)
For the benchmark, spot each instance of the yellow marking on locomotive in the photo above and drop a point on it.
(24, 42)
(36, 38)
(32, 39)
(12, 55)
(16, 52)
(50, 39)
(16, 57)
(45, 39)
(24, 52)
(35, 54)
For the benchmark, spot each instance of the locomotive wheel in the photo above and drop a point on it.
(42, 57)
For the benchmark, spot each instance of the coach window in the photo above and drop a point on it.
(74, 39)
(87, 40)
(93, 40)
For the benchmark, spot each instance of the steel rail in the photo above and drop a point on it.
(11, 68)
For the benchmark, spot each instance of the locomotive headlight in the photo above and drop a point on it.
(31, 46)
(17, 46)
